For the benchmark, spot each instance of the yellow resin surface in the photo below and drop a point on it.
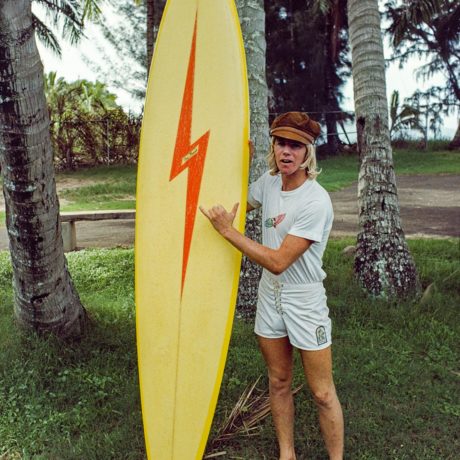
(194, 151)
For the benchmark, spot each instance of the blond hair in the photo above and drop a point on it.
(309, 164)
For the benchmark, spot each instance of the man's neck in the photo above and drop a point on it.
(293, 181)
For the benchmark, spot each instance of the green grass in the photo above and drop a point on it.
(338, 173)
(396, 369)
(124, 172)
(79, 401)
(342, 171)
(416, 162)
(110, 188)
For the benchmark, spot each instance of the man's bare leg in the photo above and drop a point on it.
(318, 371)
(278, 357)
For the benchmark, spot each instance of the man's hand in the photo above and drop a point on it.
(220, 218)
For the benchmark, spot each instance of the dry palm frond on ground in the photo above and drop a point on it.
(252, 407)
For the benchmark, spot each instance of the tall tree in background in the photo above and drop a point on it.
(252, 19)
(154, 13)
(129, 44)
(150, 32)
(44, 296)
(383, 263)
(430, 29)
(87, 126)
(336, 67)
(123, 51)
(66, 15)
(307, 59)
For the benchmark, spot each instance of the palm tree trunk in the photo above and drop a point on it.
(383, 262)
(331, 47)
(150, 31)
(45, 298)
(252, 19)
(154, 13)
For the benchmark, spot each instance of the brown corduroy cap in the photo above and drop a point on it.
(297, 126)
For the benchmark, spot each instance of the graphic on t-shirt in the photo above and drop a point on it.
(274, 221)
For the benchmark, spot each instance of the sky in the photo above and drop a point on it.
(73, 67)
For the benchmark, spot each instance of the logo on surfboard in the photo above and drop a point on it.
(189, 155)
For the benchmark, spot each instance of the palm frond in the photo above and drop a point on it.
(46, 36)
(91, 9)
(69, 16)
(321, 6)
(252, 407)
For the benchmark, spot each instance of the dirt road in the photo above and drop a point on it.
(430, 207)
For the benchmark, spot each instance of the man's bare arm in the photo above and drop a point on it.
(274, 260)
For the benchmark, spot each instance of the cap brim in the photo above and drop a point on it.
(293, 134)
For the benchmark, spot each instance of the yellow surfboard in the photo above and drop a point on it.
(193, 151)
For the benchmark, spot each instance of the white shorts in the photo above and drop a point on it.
(297, 311)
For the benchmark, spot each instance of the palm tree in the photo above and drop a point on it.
(429, 29)
(84, 119)
(154, 12)
(44, 296)
(403, 116)
(70, 14)
(252, 19)
(383, 263)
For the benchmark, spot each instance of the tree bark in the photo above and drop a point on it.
(252, 19)
(154, 13)
(331, 47)
(150, 32)
(383, 263)
(45, 299)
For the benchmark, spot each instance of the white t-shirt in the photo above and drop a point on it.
(305, 212)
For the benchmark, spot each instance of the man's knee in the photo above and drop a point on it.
(325, 398)
(280, 383)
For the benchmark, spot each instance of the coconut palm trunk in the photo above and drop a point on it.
(150, 4)
(252, 19)
(383, 262)
(154, 13)
(44, 296)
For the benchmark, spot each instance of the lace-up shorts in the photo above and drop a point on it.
(297, 311)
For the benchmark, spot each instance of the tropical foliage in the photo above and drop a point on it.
(123, 48)
(429, 29)
(87, 126)
(403, 116)
(307, 59)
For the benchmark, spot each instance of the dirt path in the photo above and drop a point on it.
(67, 183)
(430, 207)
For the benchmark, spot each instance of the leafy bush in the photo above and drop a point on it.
(87, 126)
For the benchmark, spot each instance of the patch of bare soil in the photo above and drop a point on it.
(430, 206)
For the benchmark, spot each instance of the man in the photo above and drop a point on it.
(291, 310)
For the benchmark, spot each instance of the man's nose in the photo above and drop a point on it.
(286, 150)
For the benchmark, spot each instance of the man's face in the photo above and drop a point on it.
(289, 155)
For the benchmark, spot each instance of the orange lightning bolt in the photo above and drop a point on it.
(191, 156)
